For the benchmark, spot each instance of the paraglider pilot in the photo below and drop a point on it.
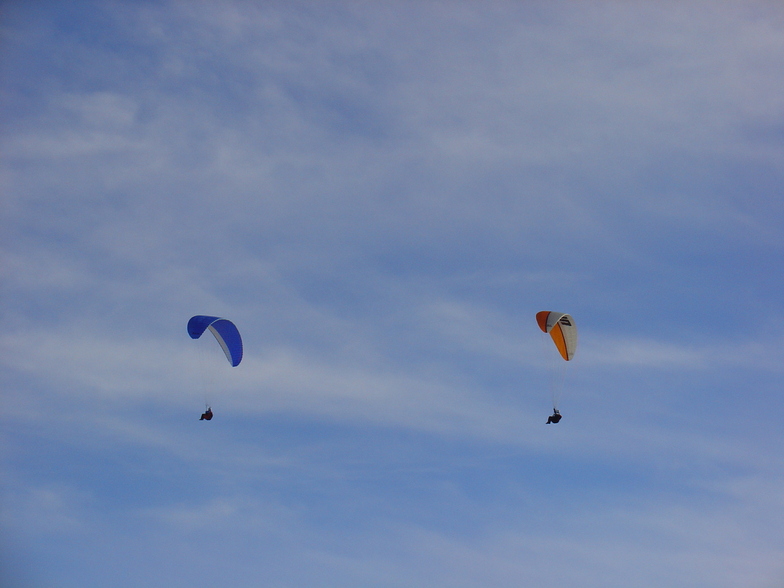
(207, 415)
(555, 417)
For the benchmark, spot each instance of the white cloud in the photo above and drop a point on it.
(714, 355)
(49, 510)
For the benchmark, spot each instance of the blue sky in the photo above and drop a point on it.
(381, 196)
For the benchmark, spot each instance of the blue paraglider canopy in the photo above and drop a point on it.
(225, 332)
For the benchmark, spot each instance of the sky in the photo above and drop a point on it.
(381, 196)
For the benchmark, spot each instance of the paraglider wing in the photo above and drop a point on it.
(562, 329)
(225, 333)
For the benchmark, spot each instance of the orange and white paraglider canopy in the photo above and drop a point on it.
(562, 329)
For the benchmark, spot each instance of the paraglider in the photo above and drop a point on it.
(226, 334)
(562, 330)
